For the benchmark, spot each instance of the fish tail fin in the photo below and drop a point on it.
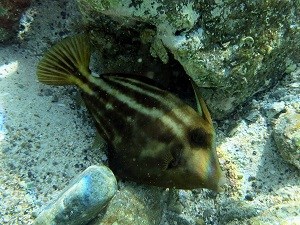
(65, 62)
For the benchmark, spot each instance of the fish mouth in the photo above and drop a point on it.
(221, 184)
(217, 182)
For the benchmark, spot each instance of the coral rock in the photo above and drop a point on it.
(287, 137)
(232, 48)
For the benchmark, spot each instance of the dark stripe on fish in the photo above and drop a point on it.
(106, 106)
(101, 122)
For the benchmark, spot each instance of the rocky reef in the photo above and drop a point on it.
(231, 49)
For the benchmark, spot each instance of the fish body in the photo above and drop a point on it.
(156, 138)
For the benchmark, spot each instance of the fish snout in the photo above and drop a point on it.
(221, 184)
(210, 173)
(216, 181)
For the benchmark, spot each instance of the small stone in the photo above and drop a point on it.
(249, 197)
(240, 176)
(82, 200)
(251, 178)
(287, 137)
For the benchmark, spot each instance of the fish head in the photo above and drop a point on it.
(194, 164)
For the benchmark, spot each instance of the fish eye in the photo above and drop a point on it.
(199, 138)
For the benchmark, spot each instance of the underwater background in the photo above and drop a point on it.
(245, 58)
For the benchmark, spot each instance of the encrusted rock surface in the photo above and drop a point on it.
(233, 48)
(10, 14)
(134, 204)
(287, 136)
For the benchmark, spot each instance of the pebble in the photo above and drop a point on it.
(82, 200)
(249, 197)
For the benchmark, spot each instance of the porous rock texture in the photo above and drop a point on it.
(287, 137)
(233, 49)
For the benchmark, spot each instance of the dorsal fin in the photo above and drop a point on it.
(140, 78)
(201, 106)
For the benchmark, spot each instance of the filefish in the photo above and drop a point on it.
(155, 137)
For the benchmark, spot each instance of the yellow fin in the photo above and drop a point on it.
(65, 61)
(201, 106)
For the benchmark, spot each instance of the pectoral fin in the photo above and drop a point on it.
(167, 159)
(201, 106)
